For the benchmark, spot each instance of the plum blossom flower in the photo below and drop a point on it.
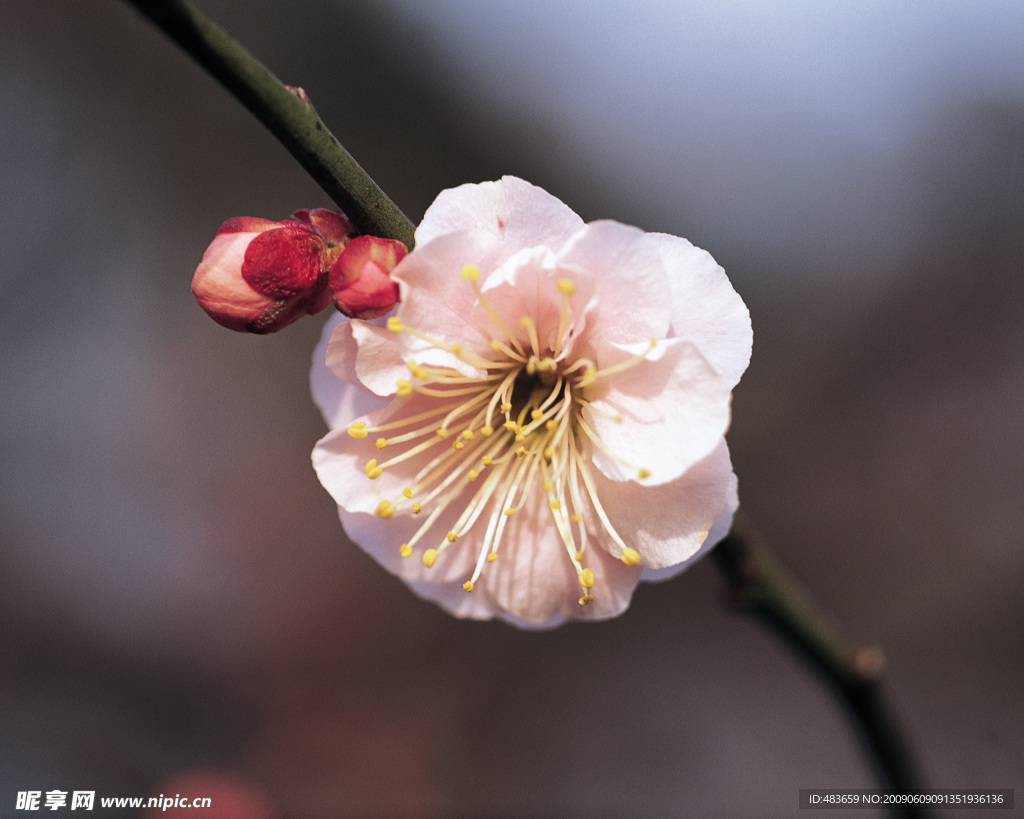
(540, 425)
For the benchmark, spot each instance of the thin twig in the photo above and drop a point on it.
(756, 582)
(287, 114)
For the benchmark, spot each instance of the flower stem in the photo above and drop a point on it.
(287, 114)
(757, 583)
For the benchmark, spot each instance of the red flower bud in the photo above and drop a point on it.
(258, 276)
(361, 280)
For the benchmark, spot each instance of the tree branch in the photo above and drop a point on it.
(757, 583)
(287, 114)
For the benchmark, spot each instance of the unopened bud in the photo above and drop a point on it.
(361, 278)
(258, 276)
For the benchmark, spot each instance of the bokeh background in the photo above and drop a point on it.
(180, 611)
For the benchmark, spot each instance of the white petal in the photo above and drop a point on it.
(705, 308)
(673, 406)
(514, 211)
(670, 524)
(630, 283)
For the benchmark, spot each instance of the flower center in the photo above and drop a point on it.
(488, 441)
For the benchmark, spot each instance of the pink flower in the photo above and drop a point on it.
(540, 426)
(258, 276)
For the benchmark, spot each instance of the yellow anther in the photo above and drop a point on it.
(487, 461)
(492, 557)
(458, 445)
(631, 557)
(551, 426)
(467, 434)
(511, 426)
(404, 387)
(381, 443)
(510, 511)
(487, 431)
(586, 599)
(654, 343)
(547, 486)
(506, 407)
(468, 585)
(577, 518)
(372, 470)
(358, 429)
(456, 349)
(473, 475)
(555, 504)
(587, 578)
(394, 324)
(470, 273)
(385, 510)
(405, 550)
(643, 473)
(589, 374)
(549, 452)
(443, 433)
(579, 556)
(407, 492)
(495, 346)
(429, 557)
(521, 452)
(452, 537)
(520, 437)
(536, 415)
(416, 508)
(566, 287)
(526, 321)
(418, 371)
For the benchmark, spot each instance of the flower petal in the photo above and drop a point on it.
(514, 211)
(630, 283)
(534, 580)
(705, 308)
(338, 394)
(670, 524)
(435, 298)
(673, 406)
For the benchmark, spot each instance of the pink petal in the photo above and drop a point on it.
(631, 286)
(365, 354)
(435, 298)
(534, 580)
(674, 409)
(513, 211)
(669, 524)
(338, 394)
(705, 308)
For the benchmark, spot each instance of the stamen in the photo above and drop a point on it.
(527, 323)
(566, 287)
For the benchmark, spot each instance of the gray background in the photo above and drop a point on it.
(179, 608)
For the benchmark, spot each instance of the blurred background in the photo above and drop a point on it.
(180, 611)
